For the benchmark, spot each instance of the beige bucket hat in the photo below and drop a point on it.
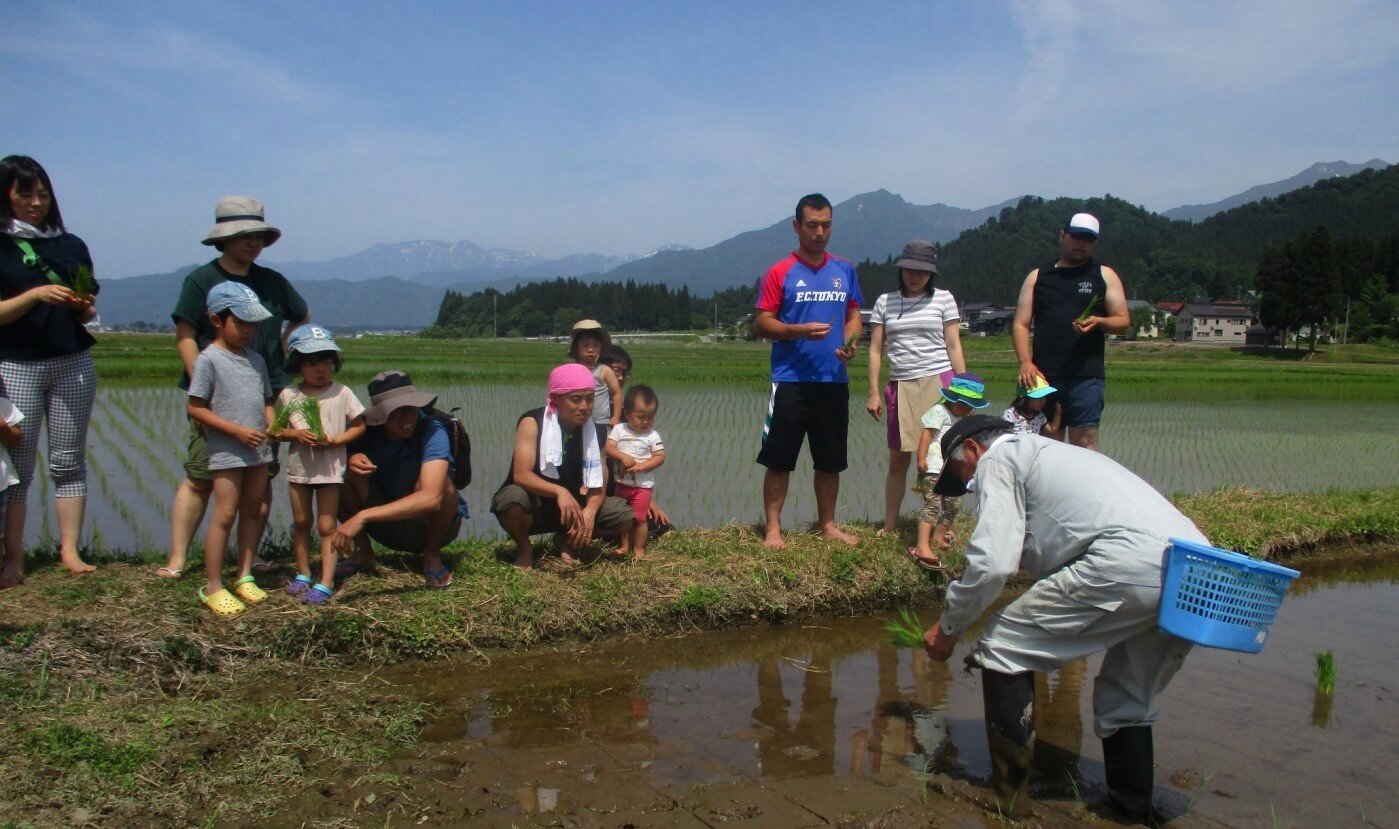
(236, 216)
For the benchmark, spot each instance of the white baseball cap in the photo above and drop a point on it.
(1083, 223)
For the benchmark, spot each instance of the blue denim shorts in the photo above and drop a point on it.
(1081, 399)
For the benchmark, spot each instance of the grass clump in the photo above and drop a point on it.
(68, 747)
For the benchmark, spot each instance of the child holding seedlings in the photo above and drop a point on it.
(323, 418)
(637, 450)
(965, 394)
(230, 395)
(590, 341)
(1026, 413)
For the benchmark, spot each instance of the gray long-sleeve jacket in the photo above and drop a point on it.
(1042, 505)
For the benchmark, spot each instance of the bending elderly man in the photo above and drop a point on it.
(1094, 537)
(557, 481)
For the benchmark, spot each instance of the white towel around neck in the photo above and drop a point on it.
(551, 450)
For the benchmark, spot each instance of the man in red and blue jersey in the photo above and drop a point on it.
(809, 306)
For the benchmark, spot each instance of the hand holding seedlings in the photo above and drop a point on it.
(1085, 321)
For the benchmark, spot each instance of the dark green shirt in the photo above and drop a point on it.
(277, 295)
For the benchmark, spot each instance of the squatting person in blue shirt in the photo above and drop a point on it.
(809, 306)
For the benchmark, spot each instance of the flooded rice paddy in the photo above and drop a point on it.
(802, 725)
(138, 438)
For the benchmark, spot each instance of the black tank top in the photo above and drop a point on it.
(571, 470)
(1061, 295)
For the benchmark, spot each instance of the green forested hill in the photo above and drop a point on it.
(1164, 259)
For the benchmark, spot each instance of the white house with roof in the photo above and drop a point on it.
(1214, 322)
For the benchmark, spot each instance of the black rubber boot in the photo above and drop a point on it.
(1010, 735)
(1127, 764)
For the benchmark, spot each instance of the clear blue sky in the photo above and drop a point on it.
(618, 127)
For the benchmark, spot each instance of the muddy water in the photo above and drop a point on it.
(793, 726)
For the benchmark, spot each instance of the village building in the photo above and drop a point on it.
(1225, 323)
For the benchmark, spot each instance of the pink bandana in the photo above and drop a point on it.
(569, 377)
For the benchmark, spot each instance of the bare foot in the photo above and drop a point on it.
(835, 533)
(77, 566)
(773, 538)
(524, 558)
(566, 556)
(886, 530)
(638, 555)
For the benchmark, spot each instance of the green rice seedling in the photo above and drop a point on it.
(905, 631)
(84, 284)
(1325, 673)
(1087, 312)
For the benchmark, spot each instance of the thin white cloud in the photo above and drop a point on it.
(222, 66)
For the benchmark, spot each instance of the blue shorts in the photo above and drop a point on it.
(1081, 399)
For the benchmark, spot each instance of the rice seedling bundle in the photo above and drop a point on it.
(309, 408)
(1325, 673)
(84, 284)
(1087, 312)
(905, 631)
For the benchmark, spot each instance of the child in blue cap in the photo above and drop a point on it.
(231, 397)
(316, 460)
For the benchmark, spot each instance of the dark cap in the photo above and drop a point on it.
(960, 431)
(919, 255)
(390, 391)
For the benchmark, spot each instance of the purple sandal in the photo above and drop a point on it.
(300, 585)
(317, 594)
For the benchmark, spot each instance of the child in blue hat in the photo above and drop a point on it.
(963, 396)
(317, 459)
(231, 397)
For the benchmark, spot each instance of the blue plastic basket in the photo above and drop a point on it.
(1221, 599)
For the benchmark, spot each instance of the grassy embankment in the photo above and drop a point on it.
(126, 702)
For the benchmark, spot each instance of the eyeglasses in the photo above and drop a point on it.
(621, 373)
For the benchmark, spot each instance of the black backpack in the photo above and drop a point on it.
(461, 444)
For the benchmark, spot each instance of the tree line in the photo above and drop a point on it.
(551, 308)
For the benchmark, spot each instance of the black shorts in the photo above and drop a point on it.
(818, 412)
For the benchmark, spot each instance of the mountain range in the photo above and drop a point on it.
(400, 285)
(1317, 172)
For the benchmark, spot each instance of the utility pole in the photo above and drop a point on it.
(716, 316)
(1345, 335)
(495, 317)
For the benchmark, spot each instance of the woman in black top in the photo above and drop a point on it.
(45, 367)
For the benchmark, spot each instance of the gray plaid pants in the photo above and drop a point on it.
(59, 391)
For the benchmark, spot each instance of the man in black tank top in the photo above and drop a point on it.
(1074, 303)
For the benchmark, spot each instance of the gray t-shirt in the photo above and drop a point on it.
(237, 389)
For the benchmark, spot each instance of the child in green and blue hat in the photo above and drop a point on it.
(963, 396)
(1026, 414)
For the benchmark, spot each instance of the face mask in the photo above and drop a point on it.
(971, 484)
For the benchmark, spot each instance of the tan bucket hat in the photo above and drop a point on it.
(239, 215)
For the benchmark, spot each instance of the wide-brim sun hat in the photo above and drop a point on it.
(919, 255)
(587, 325)
(390, 391)
(967, 427)
(238, 216)
(1040, 388)
(967, 388)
